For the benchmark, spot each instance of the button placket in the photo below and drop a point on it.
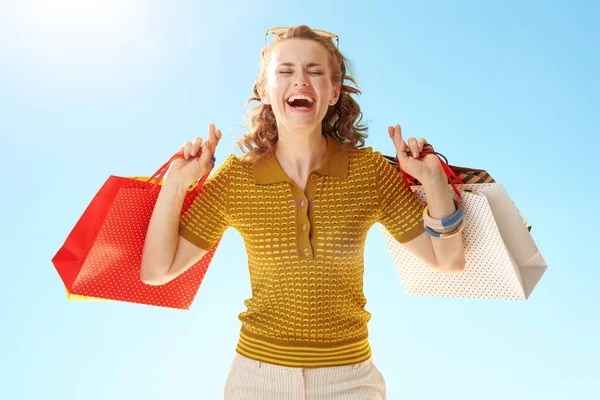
(305, 228)
(302, 222)
(304, 232)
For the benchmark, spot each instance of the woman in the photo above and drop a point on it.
(303, 196)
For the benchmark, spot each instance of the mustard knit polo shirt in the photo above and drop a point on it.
(305, 249)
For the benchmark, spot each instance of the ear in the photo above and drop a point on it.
(336, 94)
(263, 94)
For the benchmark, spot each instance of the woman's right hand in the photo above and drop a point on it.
(189, 169)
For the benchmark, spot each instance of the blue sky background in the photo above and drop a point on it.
(93, 88)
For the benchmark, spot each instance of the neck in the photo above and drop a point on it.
(300, 152)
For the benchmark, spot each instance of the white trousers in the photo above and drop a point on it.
(255, 380)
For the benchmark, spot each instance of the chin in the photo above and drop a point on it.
(308, 121)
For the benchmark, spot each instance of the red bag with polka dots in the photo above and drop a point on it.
(101, 257)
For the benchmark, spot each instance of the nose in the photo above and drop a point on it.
(301, 80)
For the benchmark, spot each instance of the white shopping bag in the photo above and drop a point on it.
(502, 260)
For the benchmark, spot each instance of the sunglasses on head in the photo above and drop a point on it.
(280, 30)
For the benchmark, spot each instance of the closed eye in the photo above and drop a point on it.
(310, 72)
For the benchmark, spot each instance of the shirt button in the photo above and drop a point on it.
(314, 178)
(306, 251)
(305, 227)
(303, 203)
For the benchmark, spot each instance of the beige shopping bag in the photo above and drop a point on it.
(503, 261)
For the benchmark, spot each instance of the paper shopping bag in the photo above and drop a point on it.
(101, 257)
(502, 260)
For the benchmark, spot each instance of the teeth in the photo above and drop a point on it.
(298, 97)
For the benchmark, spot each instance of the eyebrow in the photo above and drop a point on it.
(289, 64)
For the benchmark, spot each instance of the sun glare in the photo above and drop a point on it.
(94, 18)
(76, 39)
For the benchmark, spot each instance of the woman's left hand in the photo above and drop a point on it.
(422, 169)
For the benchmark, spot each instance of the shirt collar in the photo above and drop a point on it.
(335, 163)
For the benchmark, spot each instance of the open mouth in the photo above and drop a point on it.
(301, 102)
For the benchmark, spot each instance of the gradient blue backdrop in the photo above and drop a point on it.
(92, 88)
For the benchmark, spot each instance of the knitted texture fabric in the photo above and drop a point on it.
(305, 249)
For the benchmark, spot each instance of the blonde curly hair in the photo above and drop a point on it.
(342, 121)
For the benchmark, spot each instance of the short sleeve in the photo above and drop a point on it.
(400, 212)
(206, 220)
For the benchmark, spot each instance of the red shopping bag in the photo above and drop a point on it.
(101, 257)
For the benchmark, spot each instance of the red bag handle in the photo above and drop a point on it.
(428, 149)
(161, 172)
